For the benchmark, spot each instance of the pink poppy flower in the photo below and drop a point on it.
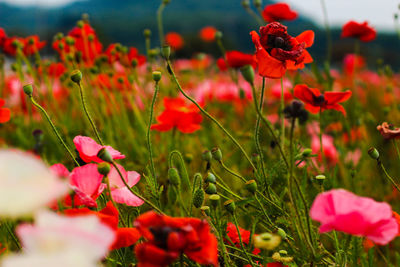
(344, 211)
(119, 192)
(86, 182)
(329, 149)
(60, 170)
(88, 149)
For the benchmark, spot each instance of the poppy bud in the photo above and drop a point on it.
(76, 76)
(103, 168)
(248, 73)
(210, 178)
(216, 154)
(85, 17)
(59, 36)
(211, 189)
(282, 233)
(230, 206)
(173, 176)
(103, 154)
(91, 37)
(320, 178)
(373, 153)
(214, 199)
(257, 3)
(153, 53)
(306, 152)
(70, 40)
(172, 195)
(198, 197)
(134, 63)
(80, 24)
(251, 186)
(156, 76)
(166, 51)
(218, 35)
(207, 156)
(188, 158)
(267, 241)
(147, 33)
(28, 89)
(205, 210)
(246, 4)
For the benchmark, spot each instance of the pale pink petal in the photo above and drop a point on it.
(88, 149)
(60, 170)
(115, 179)
(87, 179)
(124, 196)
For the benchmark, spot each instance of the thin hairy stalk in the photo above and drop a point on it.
(388, 176)
(153, 101)
(208, 115)
(160, 24)
(282, 107)
(241, 242)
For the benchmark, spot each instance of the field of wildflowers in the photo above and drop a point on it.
(114, 157)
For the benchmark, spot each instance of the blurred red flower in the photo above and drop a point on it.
(361, 31)
(168, 237)
(185, 118)
(3, 36)
(236, 59)
(316, 101)
(86, 42)
(174, 40)
(5, 113)
(278, 12)
(134, 54)
(10, 45)
(33, 45)
(353, 63)
(277, 51)
(56, 69)
(207, 34)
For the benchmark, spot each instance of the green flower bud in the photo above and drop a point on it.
(104, 155)
(218, 35)
(166, 51)
(70, 40)
(248, 73)
(251, 186)
(216, 153)
(173, 176)
(257, 3)
(76, 76)
(230, 206)
(205, 210)
(28, 89)
(188, 158)
(80, 24)
(147, 33)
(306, 152)
(134, 63)
(210, 178)
(198, 198)
(373, 153)
(207, 156)
(214, 199)
(156, 76)
(246, 3)
(282, 233)
(172, 195)
(103, 168)
(211, 189)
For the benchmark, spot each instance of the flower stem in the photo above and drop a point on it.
(160, 24)
(388, 176)
(282, 117)
(241, 242)
(153, 170)
(321, 148)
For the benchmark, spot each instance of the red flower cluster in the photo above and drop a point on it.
(316, 101)
(236, 59)
(109, 215)
(185, 118)
(361, 31)
(168, 237)
(278, 12)
(277, 51)
(5, 113)
(29, 45)
(174, 40)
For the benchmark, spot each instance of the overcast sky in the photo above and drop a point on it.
(378, 12)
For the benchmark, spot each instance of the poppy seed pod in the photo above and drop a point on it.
(103, 154)
(248, 73)
(251, 186)
(216, 153)
(28, 89)
(214, 199)
(198, 197)
(210, 178)
(230, 206)
(207, 156)
(80, 24)
(156, 76)
(166, 51)
(205, 210)
(173, 176)
(267, 241)
(373, 153)
(76, 76)
(211, 189)
(147, 33)
(103, 168)
(218, 35)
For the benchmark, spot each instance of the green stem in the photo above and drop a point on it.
(153, 170)
(397, 148)
(54, 129)
(160, 24)
(321, 148)
(388, 176)
(111, 198)
(208, 115)
(241, 242)
(282, 107)
(87, 113)
(259, 20)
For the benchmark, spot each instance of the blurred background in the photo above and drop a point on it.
(123, 21)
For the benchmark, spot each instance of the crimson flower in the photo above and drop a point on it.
(315, 101)
(109, 215)
(185, 118)
(167, 238)
(3, 36)
(134, 54)
(33, 45)
(10, 45)
(278, 12)
(361, 31)
(56, 69)
(207, 34)
(86, 42)
(174, 40)
(4, 112)
(277, 51)
(236, 59)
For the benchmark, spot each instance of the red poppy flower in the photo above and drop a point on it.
(361, 31)
(185, 118)
(86, 42)
(3, 36)
(316, 101)
(5, 113)
(207, 34)
(277, 51)
(134, 54)
(174, 40)
(33, 45)
(10, 45)
(56, 69)
(109, 215)
(353, 63)
(232, 233)
(278, 12)
(168, 237)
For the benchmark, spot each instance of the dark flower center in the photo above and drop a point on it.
(319, 100)
(161, 236)
(277, 42)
